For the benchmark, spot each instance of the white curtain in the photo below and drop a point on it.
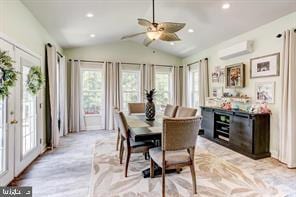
(185, 86)
(76, 122)
(176, 85)
(112, 92)
(52, 79)
(149, 76)
(204, 81)
(287, 135)
(63, 97)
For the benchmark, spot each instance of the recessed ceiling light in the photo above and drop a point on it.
(190, 30)
(89, 15)
(225, 6)
(172, 43)
(92, 35)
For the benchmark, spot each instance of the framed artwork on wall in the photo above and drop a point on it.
(217, 92)
(218, 75)
(265, 66)
(235, 76)
(264, 92)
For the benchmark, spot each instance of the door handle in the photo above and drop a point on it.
(13, 122)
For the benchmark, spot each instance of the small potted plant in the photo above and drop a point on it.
(150, 106)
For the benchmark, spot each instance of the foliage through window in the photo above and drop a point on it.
(130, 86)
(163, 87)
(194, 88)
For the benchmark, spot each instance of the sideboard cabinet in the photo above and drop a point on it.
(246, 133)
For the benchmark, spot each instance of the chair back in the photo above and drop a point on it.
(179, 133)
(170, 110)
(185, 112)
(122, 124)
(136, 108)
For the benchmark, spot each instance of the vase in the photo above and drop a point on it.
(150, 110)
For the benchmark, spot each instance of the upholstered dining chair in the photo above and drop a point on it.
(127, 143)
(185, 112)
(178, 146)
(136, 108)
(170, 110)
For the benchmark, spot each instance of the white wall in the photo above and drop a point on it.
(17, 23)
(265, 42)
(123, 51)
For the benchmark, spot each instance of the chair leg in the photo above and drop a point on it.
(151, 168)
(128, 154)
(163, 173)
(118, 139)
(192, 169)
(121, 150)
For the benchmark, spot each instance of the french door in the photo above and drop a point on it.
(27, 113)
(6, 130)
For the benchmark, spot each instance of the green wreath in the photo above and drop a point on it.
(8, 75)
(35, 80)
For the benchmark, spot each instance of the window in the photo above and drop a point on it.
(163, 88)
(130, 87)
(194, 86)
(92, 97)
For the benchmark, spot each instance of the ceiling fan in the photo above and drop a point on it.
(163, 31)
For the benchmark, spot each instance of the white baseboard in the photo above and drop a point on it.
(274, 154)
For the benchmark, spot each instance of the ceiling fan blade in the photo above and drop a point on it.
(147, 42)
(169, 37)
(144, 22)
(132, 35)
(169, 27)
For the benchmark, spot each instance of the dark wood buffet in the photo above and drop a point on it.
(246, 133)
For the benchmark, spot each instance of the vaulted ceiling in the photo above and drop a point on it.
(65, 20)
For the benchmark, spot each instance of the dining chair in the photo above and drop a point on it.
(128, 144)
(178, 146)
(185, 112)
(116, 128)
(136, 108)
(170, 110)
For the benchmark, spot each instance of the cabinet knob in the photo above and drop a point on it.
(13, 122)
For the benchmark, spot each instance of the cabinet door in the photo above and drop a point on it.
(240, 134)
(207, 123)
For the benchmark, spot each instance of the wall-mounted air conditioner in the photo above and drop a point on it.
(236, 50)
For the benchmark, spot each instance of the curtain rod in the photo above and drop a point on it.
(280, 35)
(196, 62)
(120, 62)
(50, 45)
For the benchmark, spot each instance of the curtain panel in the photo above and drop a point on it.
(53, 102)
(63, 97)
(176, 72)
(204, 81)
(149, 76)
(112, 92)
(287, 135)
(185, 86)
(76, 122)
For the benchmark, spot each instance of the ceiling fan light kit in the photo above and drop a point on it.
(158, 31)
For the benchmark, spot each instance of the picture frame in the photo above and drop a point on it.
(218, 75)
(235, 76)
(265, 92)
(265, 66)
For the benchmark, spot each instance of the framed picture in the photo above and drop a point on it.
(265, 92)
(218, 75)
(235, 76)
(217, 92)
(265, 66)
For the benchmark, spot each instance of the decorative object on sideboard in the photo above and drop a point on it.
(8, 75)
(264, 92)
(260, 109)
(150, 106)
(235, 76)
(217, 92)
(218, 75)
(265, 66)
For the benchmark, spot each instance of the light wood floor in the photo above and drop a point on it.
(65, 171)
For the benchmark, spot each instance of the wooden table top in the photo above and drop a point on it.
(142, 130)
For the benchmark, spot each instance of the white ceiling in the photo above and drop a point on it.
(65, 20)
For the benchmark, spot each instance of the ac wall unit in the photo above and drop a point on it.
(236, 50)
